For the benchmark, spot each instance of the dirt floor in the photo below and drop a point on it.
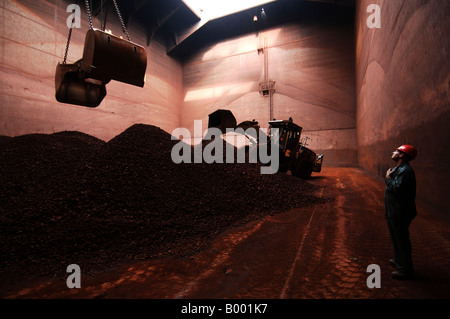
(321, 251)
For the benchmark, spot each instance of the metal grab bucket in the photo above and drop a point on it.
(73, 87)
(107, 57)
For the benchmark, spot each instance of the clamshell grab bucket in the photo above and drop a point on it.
(74, 87)
(107, 57)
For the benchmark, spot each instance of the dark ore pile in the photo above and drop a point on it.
(70, 198)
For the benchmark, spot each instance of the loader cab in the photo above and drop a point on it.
(288, 132)
(294, 155)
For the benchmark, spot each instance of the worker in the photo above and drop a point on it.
(400, 194)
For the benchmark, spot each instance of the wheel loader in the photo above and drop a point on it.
(294, 155)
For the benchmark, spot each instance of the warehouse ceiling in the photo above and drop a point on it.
(184, 28)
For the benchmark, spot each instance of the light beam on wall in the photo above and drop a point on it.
(218, 91)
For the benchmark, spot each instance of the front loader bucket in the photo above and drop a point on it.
(222, 119)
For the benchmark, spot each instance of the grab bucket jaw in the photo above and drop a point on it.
(73, 87)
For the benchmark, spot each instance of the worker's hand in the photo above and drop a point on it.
(388, 173)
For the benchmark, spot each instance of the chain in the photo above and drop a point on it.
(68, 38)
(124, 28)
(88, 10)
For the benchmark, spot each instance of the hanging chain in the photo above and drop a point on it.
(68, 37)
(71, 28)
(88, 10)
(124, 28)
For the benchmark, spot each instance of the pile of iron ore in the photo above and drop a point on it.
(71, 198)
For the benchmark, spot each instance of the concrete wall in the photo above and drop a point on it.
(313, 67)
(33, 36)
(402, 91)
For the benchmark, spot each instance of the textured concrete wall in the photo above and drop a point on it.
(403, 78)
(33, 36)
(313, 67)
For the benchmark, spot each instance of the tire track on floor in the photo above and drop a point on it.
(297, 258)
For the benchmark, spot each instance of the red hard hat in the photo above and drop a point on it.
(409, 150)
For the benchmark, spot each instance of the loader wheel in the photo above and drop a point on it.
(303, 169)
